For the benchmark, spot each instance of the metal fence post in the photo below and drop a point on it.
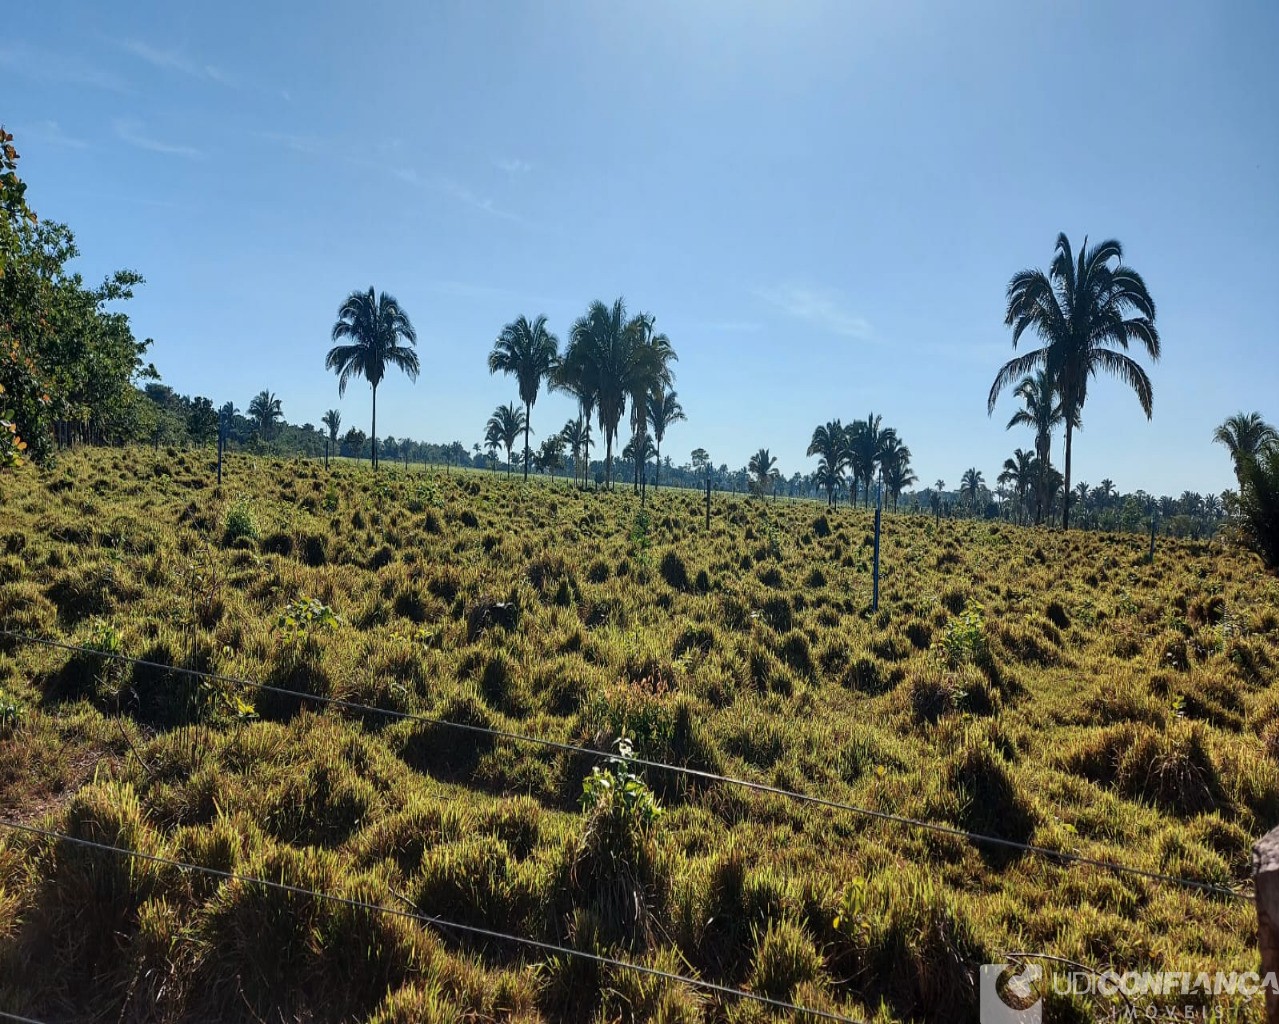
(1265, 875)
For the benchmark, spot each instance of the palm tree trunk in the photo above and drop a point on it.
(657, 472)
(1065, 505)
(528, 411)
(373, 439)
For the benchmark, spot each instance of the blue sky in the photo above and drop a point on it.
(821, 203)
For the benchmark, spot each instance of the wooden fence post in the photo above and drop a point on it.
(1265, 874)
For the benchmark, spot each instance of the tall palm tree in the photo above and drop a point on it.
(830, 444)
(1019, 473)
(1086, 310)
(367, 336)
(895, 460)
(762, 467)
(594, 368)
(531, 352)
(663, 409)
(971, 486)
(1244, 435)
(333, 420)
(504, 428)
(265, 412)
(1041, 411)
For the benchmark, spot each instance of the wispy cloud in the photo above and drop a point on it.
(513, 166)
(44, 65)
(312, 145)
(308, 145)
(50, 133)
(820, 308)
(133, 133)
(175, 60)
(732, 327)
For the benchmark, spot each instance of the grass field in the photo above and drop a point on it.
(1052, 689)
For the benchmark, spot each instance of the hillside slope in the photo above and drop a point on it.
(1055, 690)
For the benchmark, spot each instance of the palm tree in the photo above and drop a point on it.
(504, 428)
(639, 449)
(762, 467)
(577, 435)
(866, 441)
(1019, 472)
(1042, 413)
(374, 326)
(575, 375)
(333, 420)
(1244, 436)
(265, 412)
(595, 368)
(1081, 311)
(830, 443)
(529, 351)
(895, 461)
(648, 373)
(663, 410)
(829, 479)
(971, 486)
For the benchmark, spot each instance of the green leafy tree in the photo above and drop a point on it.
(527, 350)
(202, 421)
(372, 332)
(1087, 311)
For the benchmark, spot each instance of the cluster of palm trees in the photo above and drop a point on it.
(855, 453)
(1087, 310)
(615, 364)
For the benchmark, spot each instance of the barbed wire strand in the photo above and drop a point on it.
(694, 773)
(437, 922)
(5, 1015)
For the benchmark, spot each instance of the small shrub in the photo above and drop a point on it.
(241, 523)
(673, 570)
(784, 959)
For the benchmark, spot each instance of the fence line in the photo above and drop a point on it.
(437, 922)
(694, 773)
